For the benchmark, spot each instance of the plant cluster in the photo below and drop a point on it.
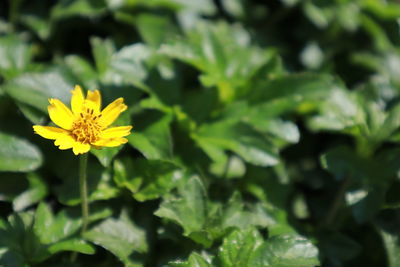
(265, 133)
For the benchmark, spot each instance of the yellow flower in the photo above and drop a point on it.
(86, 125)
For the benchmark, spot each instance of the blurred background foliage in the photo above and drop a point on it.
(265, 133)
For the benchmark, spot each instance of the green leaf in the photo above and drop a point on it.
(239, 214)
(123, 67)
(372, 176)
(341, 112)
(154, 29)
(127, 66)
(153, 139)
(285, 251)
(32, 238)
(85, 8)
(239, 138)
(165, 92)
(37, 24)
(83, 71)
(339, 247)
(283, 131)
(106, 155)
(200, 6)
(11, 259)
(12, 185)
(100, 185)
(230, 168)
(378, 35)
(246, 248)
(36, 116)
(146, 179)
(19, 240)
(199, 104)
(15, 56)
(291, 92)
(58, 231)
(270, 185)
(238, 247)
(195, 260)
(349, 16)
(368, 206)
(368, 115)
(189, 210)
(34, 89)
(392, 246)
(261, 120)
(102, 51)
(52, 229)
(18, 155)
(235, 8)
(321, 17)
(209, 48)
(204, 221)
(343, 163)
(36, 192)
(387, 11)
(119, 236)
(77, 245)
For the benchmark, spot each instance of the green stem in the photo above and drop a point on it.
(337, 203)
(83, 188)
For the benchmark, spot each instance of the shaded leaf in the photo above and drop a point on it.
(18, 155)
(154, 141)
(146, 179)
(36, 192)
(100, 185)
(29, 237)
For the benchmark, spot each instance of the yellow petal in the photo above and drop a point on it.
(95, 98)
(112, 111)
(110, 142)
(77, 100)
(60, 114)
(114, 132)
(90, 105)
(65, 142)
(79, 148)
(49, 132)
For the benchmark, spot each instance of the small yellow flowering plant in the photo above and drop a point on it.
(82, 127)
(86, 125)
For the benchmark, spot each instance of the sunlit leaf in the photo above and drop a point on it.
(119, 236)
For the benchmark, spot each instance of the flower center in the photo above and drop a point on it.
(86, 128)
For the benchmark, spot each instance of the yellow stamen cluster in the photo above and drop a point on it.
(86, 128)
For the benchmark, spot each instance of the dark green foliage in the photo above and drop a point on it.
(265, 133)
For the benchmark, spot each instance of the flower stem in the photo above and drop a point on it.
(83, 188)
